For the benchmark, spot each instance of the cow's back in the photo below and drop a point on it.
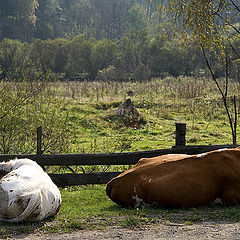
(178, 180)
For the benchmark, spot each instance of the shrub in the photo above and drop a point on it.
(26, 104)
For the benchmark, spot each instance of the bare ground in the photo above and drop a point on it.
(204, 230)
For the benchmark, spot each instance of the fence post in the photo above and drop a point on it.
(39, 140)
(180, 139)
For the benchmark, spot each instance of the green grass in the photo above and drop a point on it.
(161, 102)
(97, 133)
(88, 207)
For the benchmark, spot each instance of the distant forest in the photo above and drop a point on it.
(97, 39)
(27, 20)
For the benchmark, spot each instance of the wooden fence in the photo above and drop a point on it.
(126, 158)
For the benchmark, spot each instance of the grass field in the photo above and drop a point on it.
(88, 207)
(161, 102)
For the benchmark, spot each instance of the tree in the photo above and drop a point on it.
(42, 54)
(79, 50)
(79, 17)
(137, 18)
(50, 54)
(112, 16)
(48, 22)
(13, 54)
(210, 23)
(103, 55)
(134, 54)
(17, 19)
(169, 56)
(60, 54)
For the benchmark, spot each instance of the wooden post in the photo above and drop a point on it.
(180, 139)
(39, 140)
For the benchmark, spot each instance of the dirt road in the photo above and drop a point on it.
(206, 230)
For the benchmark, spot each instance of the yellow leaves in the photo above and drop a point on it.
(198, 21)
(161, 8)
(170, 5)
(237, 62)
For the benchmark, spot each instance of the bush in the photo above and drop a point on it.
(26, 104)
(13, 54)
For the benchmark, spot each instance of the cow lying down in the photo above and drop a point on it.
(26, 192)
(177, 180)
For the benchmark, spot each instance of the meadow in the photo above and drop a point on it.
(92, 128)
(161, 103)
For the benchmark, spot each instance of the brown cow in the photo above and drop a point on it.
(178, 180)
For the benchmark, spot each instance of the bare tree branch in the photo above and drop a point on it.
(226, 21)
(211, 71)
(235, 118)
(226, 75)
(233, 123)
(235, 5)
(220, 5)
(234, 50)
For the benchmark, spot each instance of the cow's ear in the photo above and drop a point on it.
(5, 166)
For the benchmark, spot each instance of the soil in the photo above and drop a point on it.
(205, 230)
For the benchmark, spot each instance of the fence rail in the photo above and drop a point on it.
(73, 179)
(127, 158)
